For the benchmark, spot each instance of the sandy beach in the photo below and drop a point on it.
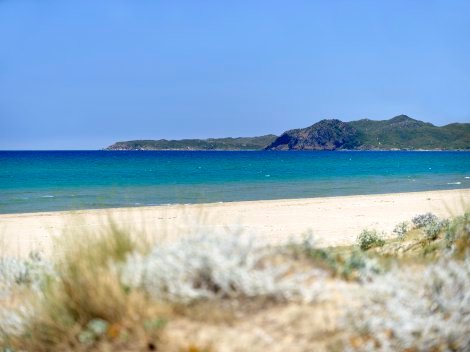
(331, 220)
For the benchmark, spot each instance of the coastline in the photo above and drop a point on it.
(332, 220)
(281, 150)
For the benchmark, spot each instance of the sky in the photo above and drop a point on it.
(84, 74)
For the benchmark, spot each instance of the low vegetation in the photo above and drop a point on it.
(345, 263)
(426, 308)
(370, 238)
(212, 266)
(417, 311)
(81, 304)
(107, 291)
(424, 220)
(401, 230)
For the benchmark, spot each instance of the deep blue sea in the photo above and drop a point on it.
(62, 180)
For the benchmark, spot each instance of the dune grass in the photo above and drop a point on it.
(117, 291)
(111, 290)
(423, 302)
(84, 291)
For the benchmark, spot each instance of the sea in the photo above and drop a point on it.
(39, 181)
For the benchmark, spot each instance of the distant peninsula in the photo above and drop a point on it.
(398, 133)
(239, 143)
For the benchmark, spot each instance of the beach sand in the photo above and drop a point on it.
(331, 220)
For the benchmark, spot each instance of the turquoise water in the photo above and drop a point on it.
(62, 180)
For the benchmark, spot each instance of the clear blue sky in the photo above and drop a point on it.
(83, 74)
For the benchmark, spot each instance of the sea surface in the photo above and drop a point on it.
(63, 180)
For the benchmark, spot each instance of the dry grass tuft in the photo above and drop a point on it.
(84, 306)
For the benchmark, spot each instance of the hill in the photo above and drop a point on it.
(400, 132)
(240, 143)
(324, 135)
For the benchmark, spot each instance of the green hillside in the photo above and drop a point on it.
(240, 143)
(401, 132)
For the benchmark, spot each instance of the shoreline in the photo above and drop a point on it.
(209, 204)
(206, 204)
(334, 220)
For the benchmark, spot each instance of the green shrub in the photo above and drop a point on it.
(423, 220)
(401, 229)
(369, 239)
(432, 230)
